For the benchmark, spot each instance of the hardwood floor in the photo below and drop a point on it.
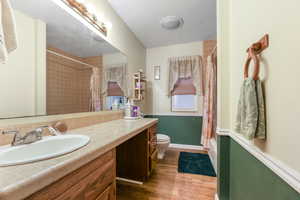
(167, 184)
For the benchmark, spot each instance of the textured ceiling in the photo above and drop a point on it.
(143, 17)
(63, 30)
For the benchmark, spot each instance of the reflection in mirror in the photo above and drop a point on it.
(115, 81)
(59, 66)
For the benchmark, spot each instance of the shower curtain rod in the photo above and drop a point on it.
(72, 59)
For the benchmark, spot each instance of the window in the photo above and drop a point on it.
(184, 96)
(114, 93)
(184, 103)
(111, 99)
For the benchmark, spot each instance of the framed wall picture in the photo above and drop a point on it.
(156, 72)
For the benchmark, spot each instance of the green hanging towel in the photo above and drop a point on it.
(250, 121)
(261, 125)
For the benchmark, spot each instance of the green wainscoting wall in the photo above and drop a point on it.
(243, 177)
(223, 167)
(181, 129)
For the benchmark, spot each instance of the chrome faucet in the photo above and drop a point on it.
(30, 137)
(17, 140)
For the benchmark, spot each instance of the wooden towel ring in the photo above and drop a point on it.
(252, 55)
(253, 51)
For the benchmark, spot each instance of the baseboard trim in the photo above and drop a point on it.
(213, 153)
(224, 132)
(289, 175)
(186, 146)
(216, 197)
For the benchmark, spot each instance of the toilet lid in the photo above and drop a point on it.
(162, 137)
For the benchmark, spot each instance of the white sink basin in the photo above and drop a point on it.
(48, 147)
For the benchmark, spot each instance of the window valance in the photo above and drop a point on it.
(115, 74)
(184, 86)
(185, 68)
(114, 89)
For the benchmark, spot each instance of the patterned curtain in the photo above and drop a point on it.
(116, 73)
(210, 101)
(95, 101)
(187, 67)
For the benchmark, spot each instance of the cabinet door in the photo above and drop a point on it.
(152, 132)
(152, 139)
(153, 161)
(152, 145)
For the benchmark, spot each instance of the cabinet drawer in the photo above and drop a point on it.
(91, 186)
(109, 193)
(86, 178)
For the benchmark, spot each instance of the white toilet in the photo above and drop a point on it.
(163, 142)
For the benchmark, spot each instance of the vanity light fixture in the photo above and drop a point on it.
(88, 12)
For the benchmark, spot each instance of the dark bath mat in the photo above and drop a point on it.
(195, 163)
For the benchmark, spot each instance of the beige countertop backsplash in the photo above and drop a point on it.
(18, 182)
(73, 121)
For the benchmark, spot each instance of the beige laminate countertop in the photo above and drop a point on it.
(18, 182)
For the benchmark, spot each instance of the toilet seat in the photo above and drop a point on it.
(161, 138)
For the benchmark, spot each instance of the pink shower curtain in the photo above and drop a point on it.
(95, 82)
(210, 100)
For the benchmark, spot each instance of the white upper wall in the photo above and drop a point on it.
(248, 21)
(113, 58)
(223, 39)
(158, 103)
(121, 37)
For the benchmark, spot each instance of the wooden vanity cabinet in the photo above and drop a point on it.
(134, 159)
(137, 157)
(93, 181)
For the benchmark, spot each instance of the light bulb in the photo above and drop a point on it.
(80, 1)
(90, 8)
(100, 17)
(108, 25)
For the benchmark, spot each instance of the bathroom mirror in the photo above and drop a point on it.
(51, 70)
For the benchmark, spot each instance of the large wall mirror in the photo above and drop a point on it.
(60, 65)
